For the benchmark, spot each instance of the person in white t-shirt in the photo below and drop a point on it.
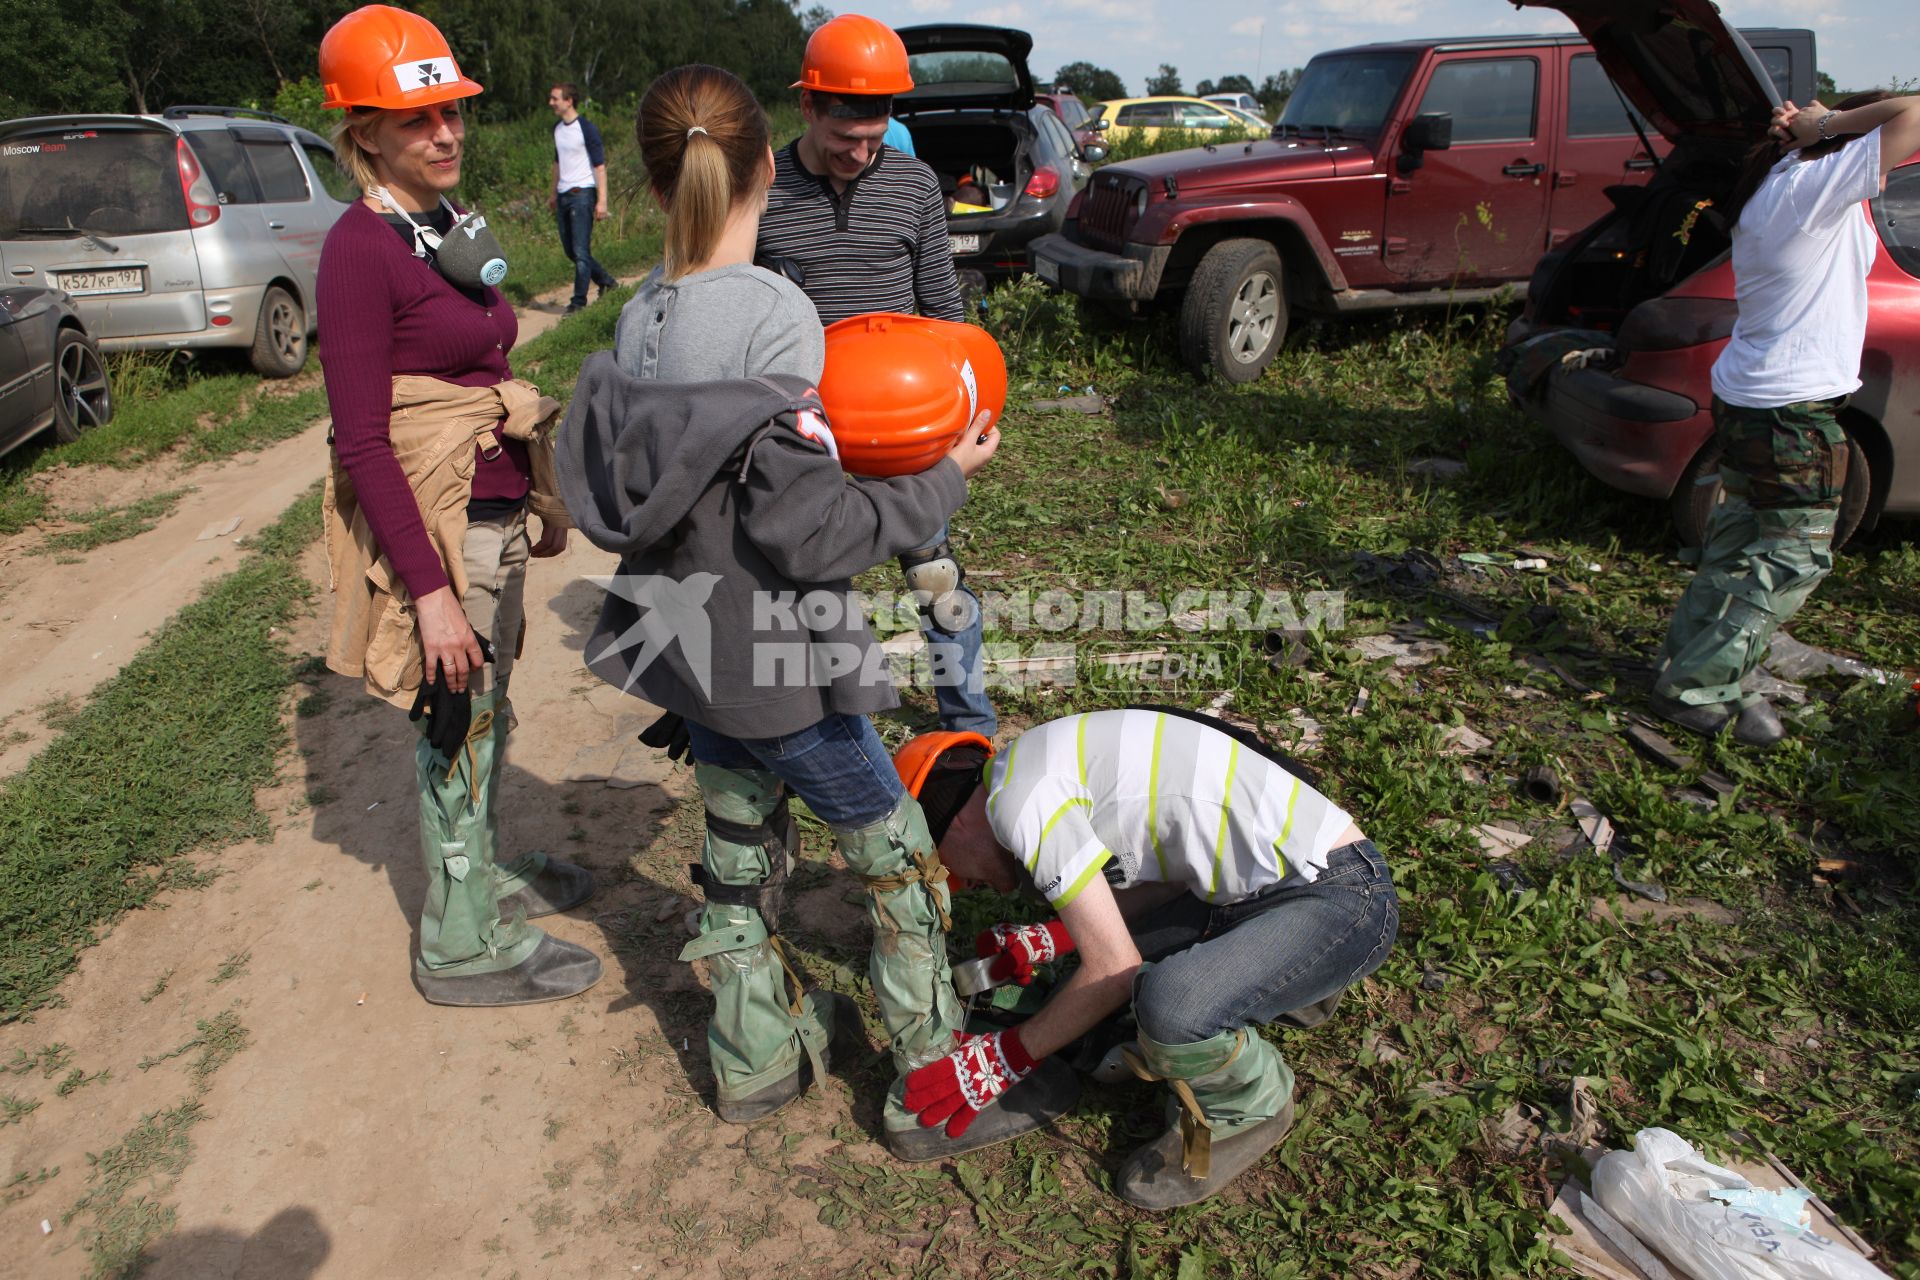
(1200, 876)
(1802, 247)
(579, 197)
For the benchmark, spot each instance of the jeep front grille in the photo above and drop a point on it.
(1109, 211)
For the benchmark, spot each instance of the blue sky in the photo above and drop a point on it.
(1861, 43)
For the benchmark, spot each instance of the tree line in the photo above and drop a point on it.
(144, 55)
(1097, 84)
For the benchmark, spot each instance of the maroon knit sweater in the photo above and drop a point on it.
(383, 312)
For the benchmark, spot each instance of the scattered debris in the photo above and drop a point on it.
(1437, 468)
(218, 529)
(1593, 825)
(668, 909)
(1381, 1048)
(1769, 686)
(1087, 404)
(1662, 751)
(1431, 981)
(1405, 653)
(362, 999)
(1532, 564)
(1286, 648)
(1501, 841)
(1627, 910)
(1638, 888)
(1360, 701)
(1788, 659)
(1522, 692)
(1513, 1132)
(1542, 785)
(1309, 729)
(1463, 740)
(1414, 569)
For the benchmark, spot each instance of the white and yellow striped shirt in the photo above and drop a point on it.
(1144, 796)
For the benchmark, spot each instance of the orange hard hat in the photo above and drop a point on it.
(916, 757)
(855, 55)
(900, 389)
(380, 56)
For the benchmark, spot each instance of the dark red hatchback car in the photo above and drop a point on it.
(1622, 325)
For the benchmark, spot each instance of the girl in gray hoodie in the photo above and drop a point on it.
(726, 502)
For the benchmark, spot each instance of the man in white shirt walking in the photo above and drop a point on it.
(579, 196)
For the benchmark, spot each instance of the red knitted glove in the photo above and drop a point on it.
(962, 1084)
(1019, 947)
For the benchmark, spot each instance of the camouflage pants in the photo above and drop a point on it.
(1767, 546)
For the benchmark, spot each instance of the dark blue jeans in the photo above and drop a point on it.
(838, 766)
(1287, 951)
(961, 695)
(573, 210)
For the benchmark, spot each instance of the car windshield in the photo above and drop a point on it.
(953, 72)
(110, 182)
(1350, 93)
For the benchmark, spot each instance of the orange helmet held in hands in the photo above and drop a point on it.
(917, 755)
(380, 56)
(857, 56)
(899, 389)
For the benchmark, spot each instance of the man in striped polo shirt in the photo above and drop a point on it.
(1200, 874)
(862, 227)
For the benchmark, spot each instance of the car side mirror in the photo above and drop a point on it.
(1432, 131)
(1102, 124)
(1093, 152)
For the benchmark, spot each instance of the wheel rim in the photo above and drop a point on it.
(285, 331)
(83, 386)
(1252, 316)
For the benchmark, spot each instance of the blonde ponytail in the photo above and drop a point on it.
(703, 138)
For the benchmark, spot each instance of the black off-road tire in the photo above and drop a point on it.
(1234, 317)
(1691, 505)
(279, 336)
(82, 392)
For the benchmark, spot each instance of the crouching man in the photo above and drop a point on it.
(1200, 877)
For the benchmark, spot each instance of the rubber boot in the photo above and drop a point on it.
(766, 1033)
(534, 884)
(908, 905)
(469, 954)
(1234, 1096)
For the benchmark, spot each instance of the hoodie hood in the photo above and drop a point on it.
(628, 489)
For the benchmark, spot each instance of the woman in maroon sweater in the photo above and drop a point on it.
(386, 310)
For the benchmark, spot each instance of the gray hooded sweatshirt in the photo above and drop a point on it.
(738, 536)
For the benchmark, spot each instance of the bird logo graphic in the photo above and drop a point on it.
(670, 610)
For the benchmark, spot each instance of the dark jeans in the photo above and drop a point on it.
(1281, 952)
(574, 212)
(838, 766)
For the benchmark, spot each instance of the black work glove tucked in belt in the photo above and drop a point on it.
(449, 714)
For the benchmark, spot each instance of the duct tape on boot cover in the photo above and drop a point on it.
(752, 934)
(1196, 1131)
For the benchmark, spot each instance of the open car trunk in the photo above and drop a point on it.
(993, 148)
(1656, 236)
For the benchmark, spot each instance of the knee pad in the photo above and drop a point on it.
(775, 839)
(936, 578)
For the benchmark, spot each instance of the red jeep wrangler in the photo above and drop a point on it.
(1406, 174)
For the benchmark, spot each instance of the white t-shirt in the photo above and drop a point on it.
(570, 145)
(1144, 796)
(1801, 252)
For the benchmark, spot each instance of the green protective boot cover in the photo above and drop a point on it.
(533, 882)
(908, 905)
(461, 931)
(762, 1023)
(1224, 1085)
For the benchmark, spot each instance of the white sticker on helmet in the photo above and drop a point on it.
(973, 389)
(425, 73)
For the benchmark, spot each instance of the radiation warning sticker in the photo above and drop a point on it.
(973, 389)
(425, 73)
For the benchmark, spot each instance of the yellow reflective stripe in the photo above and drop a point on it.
(1006, 780)
(1226, 807)
(1080, 749)
(1279, 853)
(1153, 794)
(1073, 890)
(1047, 830)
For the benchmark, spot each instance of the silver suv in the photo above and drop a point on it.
(199, 227)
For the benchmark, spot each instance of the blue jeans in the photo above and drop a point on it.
(573, 210)
(1280, 952)
(964, 705)
(838, 766)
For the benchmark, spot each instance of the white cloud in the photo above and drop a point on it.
(931, 6)
(1248, 27)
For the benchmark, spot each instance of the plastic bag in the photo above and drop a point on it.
(1662, 1191)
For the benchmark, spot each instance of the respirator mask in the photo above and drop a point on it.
(468, 255)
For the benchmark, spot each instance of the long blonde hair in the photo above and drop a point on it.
(703, 138)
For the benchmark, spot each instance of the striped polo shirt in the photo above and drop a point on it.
(1141, 796)
(880, 245)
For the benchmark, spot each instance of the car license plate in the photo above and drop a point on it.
(1047, 269)
(122, 280)
(964, 244)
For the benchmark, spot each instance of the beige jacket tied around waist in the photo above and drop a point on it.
(434, 429)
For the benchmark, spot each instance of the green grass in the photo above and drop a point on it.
(163, 759)
(102, 525)
(1798, 1024)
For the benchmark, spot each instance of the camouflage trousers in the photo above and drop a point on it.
(1767, 546)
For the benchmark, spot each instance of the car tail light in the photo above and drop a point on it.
(203, 206)
(1044, 182)
(1667, 324)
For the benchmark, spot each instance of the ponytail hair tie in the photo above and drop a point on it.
(697, 129)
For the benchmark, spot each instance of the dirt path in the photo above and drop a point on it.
(66, 624)
(362, 1132)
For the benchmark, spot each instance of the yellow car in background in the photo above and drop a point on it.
(1124, 117)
